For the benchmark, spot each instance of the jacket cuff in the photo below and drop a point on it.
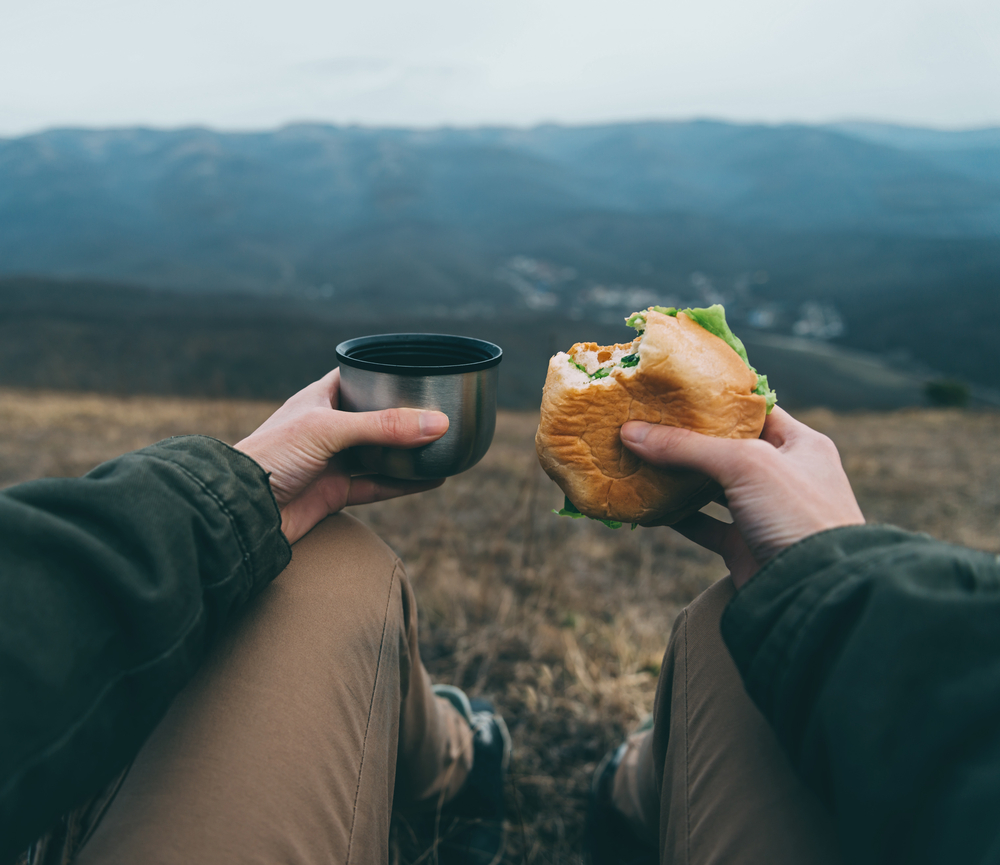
(768, 619)
(241, 490)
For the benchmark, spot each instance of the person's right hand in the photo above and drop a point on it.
(780, 488)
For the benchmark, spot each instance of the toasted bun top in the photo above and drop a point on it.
(686, 377)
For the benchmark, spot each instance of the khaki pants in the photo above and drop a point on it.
(709, 784)
(314, 716)
(311, 717)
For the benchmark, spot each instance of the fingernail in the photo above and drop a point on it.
(635, 431)
(433, 423)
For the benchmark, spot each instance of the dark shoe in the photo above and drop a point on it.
(610, 839)
(470, 829)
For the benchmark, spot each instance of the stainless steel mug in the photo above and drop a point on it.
(453, 374)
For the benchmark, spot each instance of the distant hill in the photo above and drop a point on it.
(971, 152)
(875, 237)
(127, 340)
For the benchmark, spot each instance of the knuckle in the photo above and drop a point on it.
(750, 449)
(314, 419)
(394, 425)
(662, 440)
(669, 435)
(825, 444)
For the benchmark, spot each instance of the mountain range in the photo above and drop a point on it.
(878, 237)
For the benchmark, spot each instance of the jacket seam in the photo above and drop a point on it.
(777, 566)
(802, 541)
(243, 456)
(152, 662)
(774, 651)
(233, 522)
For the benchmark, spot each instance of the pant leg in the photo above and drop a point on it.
(711, 769)
(284, 747)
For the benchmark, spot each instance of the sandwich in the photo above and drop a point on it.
(685, 368)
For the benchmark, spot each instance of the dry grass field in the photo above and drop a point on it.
(563, 622)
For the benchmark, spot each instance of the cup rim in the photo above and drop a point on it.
(493, 353)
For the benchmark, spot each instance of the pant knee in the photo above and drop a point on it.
(341, 541)
(343, 564)
(703, 614)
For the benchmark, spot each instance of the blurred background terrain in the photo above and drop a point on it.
(563, 622)
(857, 260)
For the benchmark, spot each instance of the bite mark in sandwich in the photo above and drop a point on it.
(685, 368)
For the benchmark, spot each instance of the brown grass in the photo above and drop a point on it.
(563, 622)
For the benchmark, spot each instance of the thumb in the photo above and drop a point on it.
(396, 427)
(722, 459)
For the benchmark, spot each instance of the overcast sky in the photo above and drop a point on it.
(250, 64)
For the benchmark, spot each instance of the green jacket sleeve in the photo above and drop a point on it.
(875, 655)
(112, 587)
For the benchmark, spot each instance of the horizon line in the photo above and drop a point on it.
(523, 127)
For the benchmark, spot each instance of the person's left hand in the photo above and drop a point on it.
(305, 446)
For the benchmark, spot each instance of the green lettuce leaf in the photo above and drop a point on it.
(602, 372)
(765, 391)
(571, 510)
(713, 319)
(638, 319)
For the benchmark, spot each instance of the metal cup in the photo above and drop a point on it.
(453, 374)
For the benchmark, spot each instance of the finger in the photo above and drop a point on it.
(397, 428)
(376, 488)
(722, 459)
(330, 387)
(705, 531)
(325, 391)
(780, 427)
(322, 392)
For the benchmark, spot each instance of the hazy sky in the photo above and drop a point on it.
(242, 64)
